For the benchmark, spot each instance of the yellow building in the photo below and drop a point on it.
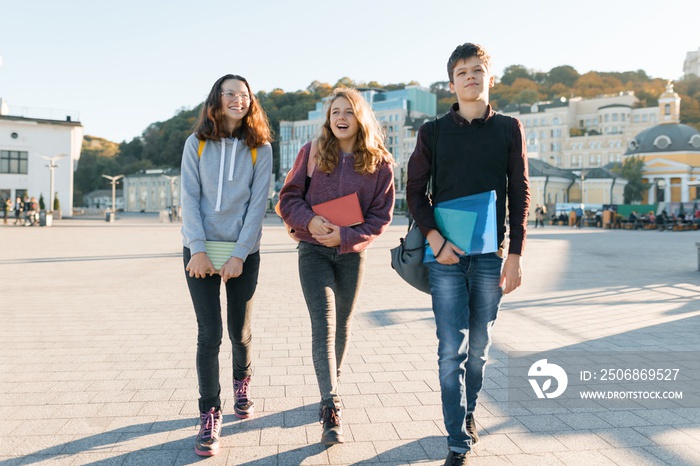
(671, 153)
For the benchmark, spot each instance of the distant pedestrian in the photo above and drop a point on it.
(540, 215)
(7, 207)
(579, 216)
(351, 158)
(19, 208)
(224, 192)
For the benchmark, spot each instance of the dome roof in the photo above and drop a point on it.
(665, 138)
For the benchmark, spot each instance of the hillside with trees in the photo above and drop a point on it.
(160, 144)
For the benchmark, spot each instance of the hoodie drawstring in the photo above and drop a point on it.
(221, 170)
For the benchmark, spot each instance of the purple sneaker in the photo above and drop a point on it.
(244, 406)
(207, 441)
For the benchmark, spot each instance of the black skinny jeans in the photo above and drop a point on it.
(330, 282)
(205, 293)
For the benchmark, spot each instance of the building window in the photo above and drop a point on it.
(12, 161)
(614, 117)
(667, 109)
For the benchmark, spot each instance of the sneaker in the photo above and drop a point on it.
(332, 430)
(207, 441)
(244, 406)
(456, 459)
(471, 428)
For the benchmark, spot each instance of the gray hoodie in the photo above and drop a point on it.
(224, 197)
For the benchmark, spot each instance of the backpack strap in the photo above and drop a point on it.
(203, 142)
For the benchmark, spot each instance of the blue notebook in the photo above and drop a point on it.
(469, 222)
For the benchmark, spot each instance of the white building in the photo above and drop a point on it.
(581, 134)
(26, 137)
(101, 199)
(151, 191)
(692, 63)
(395, 110)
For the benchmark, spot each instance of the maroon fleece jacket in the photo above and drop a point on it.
(375, 191)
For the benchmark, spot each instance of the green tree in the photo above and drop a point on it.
(513, 72)
(565, 75)
(633, 170)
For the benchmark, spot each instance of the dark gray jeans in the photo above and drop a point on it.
(330, 282)
(205, 294)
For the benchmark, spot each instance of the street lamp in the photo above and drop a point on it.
(52, 165)
(113, 180)
(172, 180)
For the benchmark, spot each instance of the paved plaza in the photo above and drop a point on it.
(98, 337)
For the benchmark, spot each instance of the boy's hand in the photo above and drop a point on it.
(511, 276)
(449, 254)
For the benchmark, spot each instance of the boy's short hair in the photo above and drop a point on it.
(464, 52)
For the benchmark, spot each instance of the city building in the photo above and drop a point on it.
(692, 63)
(151, 190)
(582, 133)
(39, 148)
(101, 199)
(671, 152)
(585, 137)
(398, 111)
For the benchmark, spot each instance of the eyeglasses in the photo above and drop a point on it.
(235, 95)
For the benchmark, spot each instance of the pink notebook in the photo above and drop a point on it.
(343, 211)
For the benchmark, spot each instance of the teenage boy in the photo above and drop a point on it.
(475, 150)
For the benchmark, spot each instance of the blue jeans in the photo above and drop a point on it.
(466, 297)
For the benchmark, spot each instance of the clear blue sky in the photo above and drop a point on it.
(124, 65)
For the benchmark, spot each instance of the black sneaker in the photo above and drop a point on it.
(244, 406)
(471, 428)
(207, 441)
(332, 430)
(456, 459)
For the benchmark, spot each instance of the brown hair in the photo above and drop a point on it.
(370, 152)
(464, 52)
(255, 128)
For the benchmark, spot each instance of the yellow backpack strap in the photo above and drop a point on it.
(202, 143)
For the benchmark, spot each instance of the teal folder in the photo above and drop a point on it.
(469, 222)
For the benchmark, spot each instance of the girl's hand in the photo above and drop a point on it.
(319, 226)
(331, 239)
(232, 268)
(200, 266)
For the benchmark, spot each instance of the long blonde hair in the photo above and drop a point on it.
(370, 151)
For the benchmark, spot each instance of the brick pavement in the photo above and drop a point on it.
(97, 344)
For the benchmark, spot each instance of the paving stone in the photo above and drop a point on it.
(117, 383)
